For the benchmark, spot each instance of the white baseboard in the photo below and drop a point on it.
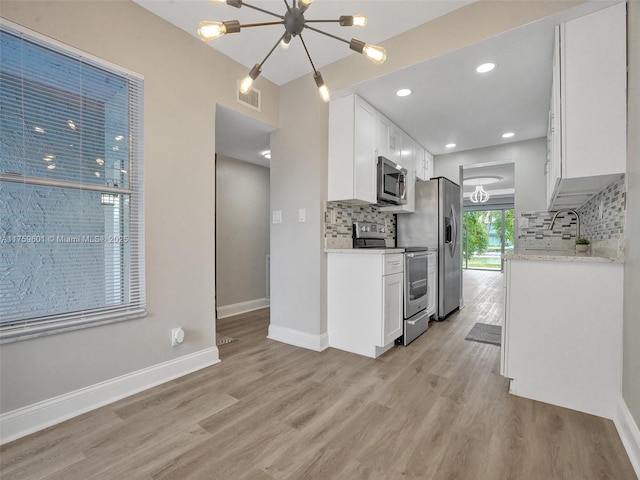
(243, 307)
(298, 338)
(629, 434)
(32, 418)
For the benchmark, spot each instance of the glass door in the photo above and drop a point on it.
(487, 235)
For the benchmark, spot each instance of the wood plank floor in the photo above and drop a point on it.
(437, 409)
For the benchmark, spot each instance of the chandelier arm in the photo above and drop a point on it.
(244, 4)
(327, 34)
(271, 51)
(287, 4)
(322, 21)
(247, 25)
(308, 56)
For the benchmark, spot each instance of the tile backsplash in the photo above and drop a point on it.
(339, 218)
(602, 221)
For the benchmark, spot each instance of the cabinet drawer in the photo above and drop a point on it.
(393, 264)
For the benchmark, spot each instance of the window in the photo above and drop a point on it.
(71, 231)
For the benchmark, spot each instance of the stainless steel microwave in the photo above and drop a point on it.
(392, 179)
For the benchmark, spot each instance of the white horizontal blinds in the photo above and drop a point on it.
(70, 188)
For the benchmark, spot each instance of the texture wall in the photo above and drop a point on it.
(184, 79)
(242, 231)
(529, 157)
(631, 346)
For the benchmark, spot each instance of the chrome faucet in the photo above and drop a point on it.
(568, 210)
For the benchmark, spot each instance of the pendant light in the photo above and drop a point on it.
(294, 23)
(479, 195)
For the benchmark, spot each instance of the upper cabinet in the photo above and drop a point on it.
(587, 121)
(358, 134)
(424, 164)
(352, 151)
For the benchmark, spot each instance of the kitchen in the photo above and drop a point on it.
(298, 180)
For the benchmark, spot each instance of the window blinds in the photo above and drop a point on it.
(71, 234)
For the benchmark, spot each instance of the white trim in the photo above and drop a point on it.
(242, 307)
(68, 48)
(32, 418)
(298, 338)
(629, 434)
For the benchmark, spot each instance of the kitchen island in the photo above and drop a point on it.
(562, 332)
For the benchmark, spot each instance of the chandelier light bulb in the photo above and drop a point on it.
(247, 82)
(208, 31)
(359, 20)
(306, 3)
(479, 195)
(322, 87)
(285, 43)
(375, 53)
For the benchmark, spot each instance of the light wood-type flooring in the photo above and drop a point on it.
(437, 409)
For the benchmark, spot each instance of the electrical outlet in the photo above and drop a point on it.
(177, 336)
(277, 216)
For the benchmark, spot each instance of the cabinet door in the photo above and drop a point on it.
(428, 165)
(364, 151)
(392, 306)
(383, 136)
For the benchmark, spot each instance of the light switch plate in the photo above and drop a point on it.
(277, 216)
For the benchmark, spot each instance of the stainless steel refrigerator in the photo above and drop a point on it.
(436, 222)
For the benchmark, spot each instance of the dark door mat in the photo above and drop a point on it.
(485, 333)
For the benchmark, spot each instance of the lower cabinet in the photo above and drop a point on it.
(364, 301)
(562, 333)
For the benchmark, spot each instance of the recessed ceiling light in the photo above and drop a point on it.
(485, 67)
(450, 145)
(508, 135)
(403, 92)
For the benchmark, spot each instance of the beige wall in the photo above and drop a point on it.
(242, 231)
(631, 347)
(529, 157)
(184, 79)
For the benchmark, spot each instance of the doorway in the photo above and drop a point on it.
(488, 200)
(487, 235)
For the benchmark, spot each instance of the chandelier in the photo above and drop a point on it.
(294, 23)
(479, 195)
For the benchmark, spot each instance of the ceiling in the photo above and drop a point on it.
(450, 103)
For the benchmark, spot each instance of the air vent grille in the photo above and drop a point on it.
(252, 99)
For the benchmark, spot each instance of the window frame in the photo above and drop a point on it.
(57, 323)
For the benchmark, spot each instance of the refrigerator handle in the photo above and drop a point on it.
(454, 223)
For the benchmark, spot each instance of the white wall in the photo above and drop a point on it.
(242, 231)
(298, 181)
(184, 79)
(631, 348)
(529, 157)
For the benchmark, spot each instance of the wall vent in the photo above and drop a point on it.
(252, 99)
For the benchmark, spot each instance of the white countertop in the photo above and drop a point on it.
(382, 251)
(558, 256)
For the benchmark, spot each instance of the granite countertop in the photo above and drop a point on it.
(383, 251)
(559, 256)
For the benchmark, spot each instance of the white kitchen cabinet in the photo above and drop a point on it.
(562, 333)
(424, 164)
(432, 283)
(352, 151)
(587, 133)
(364, 301)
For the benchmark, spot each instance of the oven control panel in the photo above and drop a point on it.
(369, 230)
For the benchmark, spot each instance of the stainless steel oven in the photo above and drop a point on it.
(416, 293)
